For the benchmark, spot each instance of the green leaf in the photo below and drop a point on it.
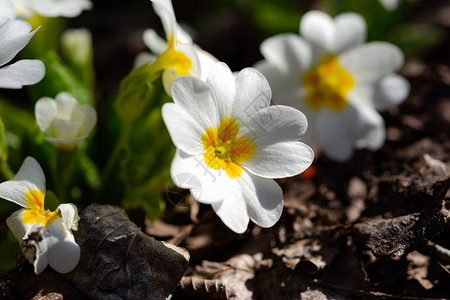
(149, 199)
(51, 202)
(415, 38)
(77, 51)
(137, 93)
(59, 78)
(3, 146)
(9, 248)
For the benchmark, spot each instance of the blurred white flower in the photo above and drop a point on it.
(336, 80)
(77, 45)
(49, 233)
(177, 53)
(65, 121)
(14, 36)
(231, 143)
(7, 11)
(389, 4)
(50, 8)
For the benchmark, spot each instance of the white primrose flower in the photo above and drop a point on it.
(64, 120)
(336, 80)
(45, 237)
(50, 8)
(14, 36)
(177, 53)
(231, 143)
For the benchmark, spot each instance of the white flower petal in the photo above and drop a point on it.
(154, 42)
(391, 90)
(164, 10)
(143, 58)
(69, 215)
(318, 28)
(64, 129)
(350, 31)
(30, 177)
(289, 52)
(207, 185)
(389, 4)
(89, 119)
(334, 133)
(222, 83)
(206, 60)
(14, 36)
(45, 111)
(286, 89)
(264, 199)
(197, 99)
(58, 248)
(60, 8)
(275, 131)
(355, 127)
(169, 75)
(15, 224)
(65, 104)
(372, 61)
(274, 124)
(191, 53)
(64, 144)
(182, 35)
(252, 93)
(369, 129)
(7, 11)
(233, 210)
(346, 31)
(186, 133)
(284, 159)
(23, 72)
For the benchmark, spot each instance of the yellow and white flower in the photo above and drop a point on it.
(177, 54)
(14, 36)
(50, 8)
(45, 237)
(231, 143)
(65, 121)
(336, 80)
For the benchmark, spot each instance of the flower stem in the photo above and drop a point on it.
(122, 141)
(6, 171)
(62, 167)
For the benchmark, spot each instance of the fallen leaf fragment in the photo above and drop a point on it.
(119, 261)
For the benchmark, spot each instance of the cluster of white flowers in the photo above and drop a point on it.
(45, 237)
(231, 143)
(15, 35)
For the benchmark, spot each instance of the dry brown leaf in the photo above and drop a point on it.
(228, 280)
(119, 261)
(307, 255)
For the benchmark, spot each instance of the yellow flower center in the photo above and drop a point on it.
(224, 149)
(35, 212)
(172, 58)
(327, 85)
